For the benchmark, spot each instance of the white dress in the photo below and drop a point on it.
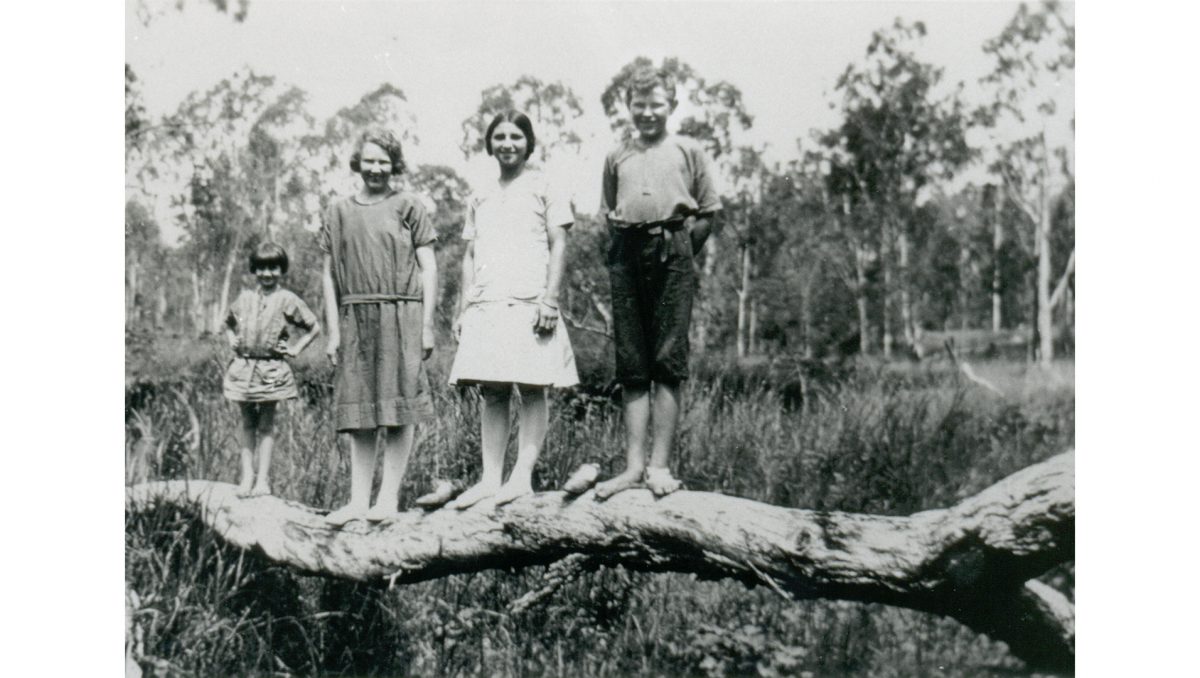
(508, 225)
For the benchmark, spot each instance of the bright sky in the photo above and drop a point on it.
(784, 56)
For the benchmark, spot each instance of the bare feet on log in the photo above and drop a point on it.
(443, 491)
(630, 479)
(244, 487)
(475, 494)
(661, 482)
(345, 514)
(582, 479)
(259, 490)
(511, 490)
(380, 512)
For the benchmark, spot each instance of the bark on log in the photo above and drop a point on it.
(974, 562)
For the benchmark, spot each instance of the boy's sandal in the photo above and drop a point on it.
(443, 492)
(582, 479)
(661, 482)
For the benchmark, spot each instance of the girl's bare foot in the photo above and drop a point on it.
(443, 491)
(475, 494)
(244, 487)
(630, 479)
(582, 479)
(512, 490)
(345, 514)
(661, 482)
(380, 512)
(260, 490)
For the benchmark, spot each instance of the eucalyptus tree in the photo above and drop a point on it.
(1033, 62)
(554, 109)
(898, 137)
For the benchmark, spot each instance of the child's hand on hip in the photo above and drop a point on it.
(283, 349)
(427, 342)
(234, 341)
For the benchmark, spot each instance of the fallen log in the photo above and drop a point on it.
(975, 561)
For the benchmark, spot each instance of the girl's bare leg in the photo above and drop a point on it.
(397, 451)
(493, 439)
(533, 420)
(246, 440)
(362, 472)
(266, 445)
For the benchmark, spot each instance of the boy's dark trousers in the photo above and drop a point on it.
(653, 281)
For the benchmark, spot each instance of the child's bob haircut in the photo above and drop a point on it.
(517, 118)
(644, 80)
(384, 139)
(268, 255)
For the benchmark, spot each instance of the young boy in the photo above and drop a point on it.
(659, 200)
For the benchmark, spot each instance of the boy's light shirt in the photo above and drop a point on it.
(653, 182)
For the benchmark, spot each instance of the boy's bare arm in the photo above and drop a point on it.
(699, 228)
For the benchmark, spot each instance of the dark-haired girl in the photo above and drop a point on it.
(508, 329)
(259, 328)
(380, 286)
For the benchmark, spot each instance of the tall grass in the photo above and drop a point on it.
(876, 439)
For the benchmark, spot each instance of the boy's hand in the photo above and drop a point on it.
(331, 348)
(234, 341)
(427, 342)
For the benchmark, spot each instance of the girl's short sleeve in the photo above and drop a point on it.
(418, 221)
(468, 232)
(297, 313)
(558, 207)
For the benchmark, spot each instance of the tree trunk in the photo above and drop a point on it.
(1045, 317)
(885, 293)
(860, 298)
(160, 305)
(997, 245)
(753, 329)
(906, 303)
(704, 312)
(198, 313)
(743, 295)
(131, 290)
(974, 562)
(226, 282)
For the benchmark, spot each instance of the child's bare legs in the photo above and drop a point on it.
(533, 421)
(397, 450)
(362, 472)
(493, 439)
(665, 421)
(636, 403)
(246, 439)
(266, 445)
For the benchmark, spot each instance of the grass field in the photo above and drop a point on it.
(880, 439)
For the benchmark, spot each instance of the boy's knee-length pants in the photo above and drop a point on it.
(653, 281)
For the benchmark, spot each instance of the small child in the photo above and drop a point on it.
(659, 200)
(257, 327)
(380, 286)
(509, 334)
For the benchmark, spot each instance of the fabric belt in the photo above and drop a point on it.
(351, 299)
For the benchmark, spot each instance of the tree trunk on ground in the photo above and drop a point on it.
(975, 562)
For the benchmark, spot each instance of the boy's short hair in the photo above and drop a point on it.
(384, 139)
(268, 255)
(644, 80)
(517, 118)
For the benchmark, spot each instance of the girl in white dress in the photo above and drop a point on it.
(508, 324)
